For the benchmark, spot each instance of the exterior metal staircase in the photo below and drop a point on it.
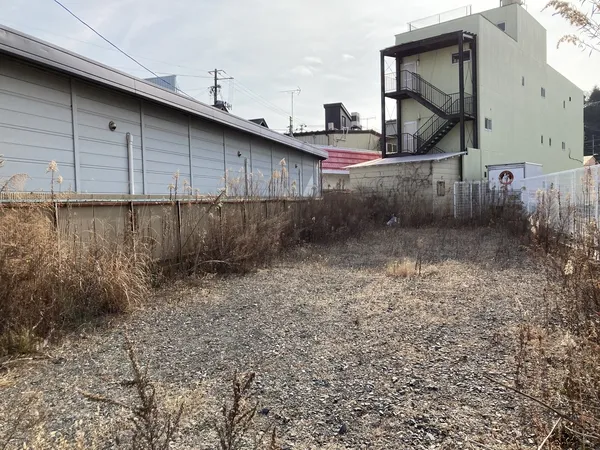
(446, 109)
(445, 105)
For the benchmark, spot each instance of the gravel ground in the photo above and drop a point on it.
(346, 356)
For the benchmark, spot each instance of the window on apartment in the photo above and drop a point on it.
(522, 81)
(502, 26)
(441, 188)
(564, 146)
(392, 148)
(564, 103)
(542, 140)
(550, 142)
(466, 56)
(488, 124)
(543, 92)
(343, 121)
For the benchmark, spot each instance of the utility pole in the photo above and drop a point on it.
(216, 88)
(292, 92)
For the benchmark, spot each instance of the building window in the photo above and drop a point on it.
(522, 81)
(542, 141)
(502, 26)
(488, 124)
(343, 121)
(550, 142)
(564, 146)
(564, 103)
(392, 148)
(466, 56)
(441, 188)
(569, 98)
(543, 91)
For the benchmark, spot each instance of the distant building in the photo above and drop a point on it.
(262, 122)
(342, 129)
(480, 85)
(167, 82)
(336, 175)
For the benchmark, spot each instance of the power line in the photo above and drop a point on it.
(113, 45)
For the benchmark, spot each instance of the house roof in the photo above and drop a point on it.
(340, 158)
(408, 159)
(34, 50)
(261, 121)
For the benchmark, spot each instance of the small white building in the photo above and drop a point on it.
(423, 181)
(481, 84)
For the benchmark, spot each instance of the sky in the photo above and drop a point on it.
(327, 48)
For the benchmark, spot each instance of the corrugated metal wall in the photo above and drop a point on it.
(36, 126)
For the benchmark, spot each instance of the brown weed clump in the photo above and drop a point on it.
(50, 284)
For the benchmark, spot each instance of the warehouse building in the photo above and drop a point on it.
(110, 132)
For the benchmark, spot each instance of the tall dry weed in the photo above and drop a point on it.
(49, 284)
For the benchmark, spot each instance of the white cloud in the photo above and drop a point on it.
(302, 70)
(313, 60)
(335, 77)
(347, 57)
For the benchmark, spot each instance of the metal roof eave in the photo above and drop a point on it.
(29, 48)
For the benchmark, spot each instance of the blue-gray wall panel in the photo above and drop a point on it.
(104, 161)
(35, 124)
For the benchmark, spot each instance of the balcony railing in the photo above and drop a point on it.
(409, 81)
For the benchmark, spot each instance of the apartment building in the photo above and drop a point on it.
(480, 84)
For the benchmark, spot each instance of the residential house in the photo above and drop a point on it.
(110, 132)
(479, 86)
(342, 129)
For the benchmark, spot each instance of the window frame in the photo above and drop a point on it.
(441, 188)
(392, 145)
(487, 121)
(465, 52)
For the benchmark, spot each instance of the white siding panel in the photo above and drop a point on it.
(236, 142)
(104, 162)
(261, 167)
(310, 184)
(208, 161)
(166, 143)
(35, 124)
(295, 169)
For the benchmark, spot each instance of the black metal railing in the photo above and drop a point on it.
(447, 103)
(410, 81)
(431, 127)
(413, 144)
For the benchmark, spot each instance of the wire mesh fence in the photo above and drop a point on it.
(568, 201)
(472, 199)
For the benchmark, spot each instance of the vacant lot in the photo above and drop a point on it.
(350, 349)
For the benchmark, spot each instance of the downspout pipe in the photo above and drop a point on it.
(129, 138)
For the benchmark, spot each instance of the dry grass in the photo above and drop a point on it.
(49, 285)
(402, 269)
(558, 347)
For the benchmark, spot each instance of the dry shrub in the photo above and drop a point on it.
(402, 269)
(558, 356)
(49, 285)
(237, 238)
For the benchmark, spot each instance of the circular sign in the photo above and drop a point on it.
(506, 177)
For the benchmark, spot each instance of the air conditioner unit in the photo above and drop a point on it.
(331, 126)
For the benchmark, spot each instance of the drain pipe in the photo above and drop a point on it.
(130, 162)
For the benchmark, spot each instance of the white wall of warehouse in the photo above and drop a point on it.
(46, 116)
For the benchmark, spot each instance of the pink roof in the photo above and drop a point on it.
(339, 159)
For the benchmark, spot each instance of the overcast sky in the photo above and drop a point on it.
(328, 48)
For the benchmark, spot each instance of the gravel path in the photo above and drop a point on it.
(346, 356)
